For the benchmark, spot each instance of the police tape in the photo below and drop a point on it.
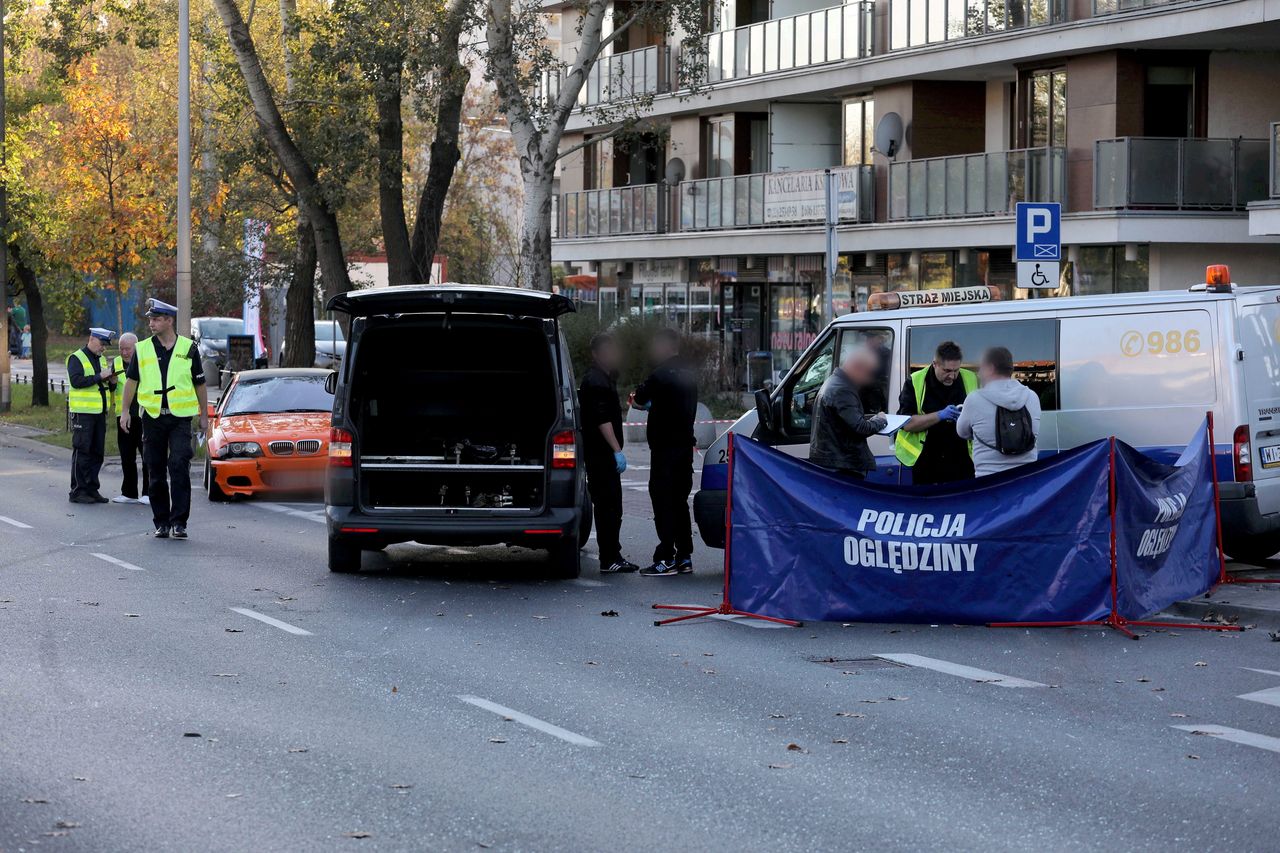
(645, 423)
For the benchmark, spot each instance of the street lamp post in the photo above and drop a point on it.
(184, 167)
(832, 217)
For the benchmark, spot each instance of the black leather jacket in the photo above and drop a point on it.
(840, 427)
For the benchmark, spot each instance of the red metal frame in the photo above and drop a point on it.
(724, 608)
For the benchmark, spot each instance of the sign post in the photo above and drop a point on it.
(1038, 244)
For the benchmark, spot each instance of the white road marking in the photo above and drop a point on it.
(18, 524)
(121, 563)
(1271, 744)
(314, 515)
(1263, 671)
(960, 670)
(276, 623)
(532, 722)
(1270, 696)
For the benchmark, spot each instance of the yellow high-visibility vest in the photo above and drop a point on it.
(183, 402)
(88, 400)
(117, 394)
(909, 445)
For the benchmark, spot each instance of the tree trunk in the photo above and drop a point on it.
(535, 227)
(299, 316)
(39, 332)
(120, 329)
(395, 230)
(311, 201)
(445, 152)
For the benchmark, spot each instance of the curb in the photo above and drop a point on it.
(34, 446)
(1240, 614)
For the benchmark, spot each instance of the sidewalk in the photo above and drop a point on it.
(1244, 604)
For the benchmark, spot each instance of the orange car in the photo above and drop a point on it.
(269, 433)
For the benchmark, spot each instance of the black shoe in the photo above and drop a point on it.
(659, 569)
(619, 566)
(100, 498)
(82, 499)
(684, 566)
(180, 532)
(162, 532)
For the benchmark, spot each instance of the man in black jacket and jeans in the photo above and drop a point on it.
(670, 395)
(602, 440)
(840, 426)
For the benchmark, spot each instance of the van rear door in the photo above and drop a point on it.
(442, 298)
(1260, 339)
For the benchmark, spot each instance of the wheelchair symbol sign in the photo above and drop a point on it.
(1037, 275)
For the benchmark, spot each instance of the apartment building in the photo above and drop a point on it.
(1152, 122)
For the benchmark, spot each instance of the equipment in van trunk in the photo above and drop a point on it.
(459, 405)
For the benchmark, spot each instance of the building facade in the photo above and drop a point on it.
(1151, 122)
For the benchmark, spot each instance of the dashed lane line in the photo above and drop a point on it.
(532, 722)
(960, 670)
(1240, 736)
(13, 521)
(275, 623)
(121, 563)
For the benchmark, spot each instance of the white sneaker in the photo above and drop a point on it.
(122, 499)
(145, 499)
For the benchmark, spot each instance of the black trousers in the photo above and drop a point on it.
(605, 485)
(166, 451)
(130, 447)
(88, 448)
(670, 482)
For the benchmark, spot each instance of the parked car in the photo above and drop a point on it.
(210, 335)
(455, 422)
(331, 346)
(269, 433)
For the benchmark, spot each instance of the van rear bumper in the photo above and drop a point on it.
(376, 531)
(1240, 514)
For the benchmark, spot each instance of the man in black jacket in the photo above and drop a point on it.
(840, 426)
(602, 440)
(670, 394)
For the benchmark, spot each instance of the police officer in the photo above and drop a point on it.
(129, 440)
(602, 441)
(91, 381)
(670, 394)
(167, 380)
(928, 443)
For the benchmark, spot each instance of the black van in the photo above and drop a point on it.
(455, 421)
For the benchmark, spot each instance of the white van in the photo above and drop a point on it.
(1144, 367)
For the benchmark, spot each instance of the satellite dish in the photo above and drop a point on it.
(675, 170)
(889, 135)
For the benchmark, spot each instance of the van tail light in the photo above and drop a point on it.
(564, 450)
(1242, 455)
(339, 448)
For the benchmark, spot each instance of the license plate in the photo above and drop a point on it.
(1271, 456)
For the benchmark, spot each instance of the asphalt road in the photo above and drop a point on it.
(228, 693)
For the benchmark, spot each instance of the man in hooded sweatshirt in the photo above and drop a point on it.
(977, 419)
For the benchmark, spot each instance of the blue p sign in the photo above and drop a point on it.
(1039, 226)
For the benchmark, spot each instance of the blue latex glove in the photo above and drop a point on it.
(620, 461)
(950, 413)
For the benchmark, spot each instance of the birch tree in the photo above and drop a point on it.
(538, 95)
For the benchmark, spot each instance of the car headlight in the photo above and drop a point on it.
(243, 449)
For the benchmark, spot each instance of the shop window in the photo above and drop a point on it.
(936, 271)
(1034, 344)
(1103, 269)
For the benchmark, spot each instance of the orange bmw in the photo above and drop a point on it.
(269, 433)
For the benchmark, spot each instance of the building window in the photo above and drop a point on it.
(859, 131)
(1103, 269)
(1046, 108)
(717, 146)
(597, 165)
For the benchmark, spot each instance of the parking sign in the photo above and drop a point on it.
(1039, 226)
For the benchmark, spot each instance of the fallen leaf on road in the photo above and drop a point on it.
(132, 615)
(1177, 715)
(282, 599)
(848, 714)
(357, 834)
(226, 675)
(497, 740)
(35, 800)
(66, 824)
(234, 630)
(708, 672)
(780, 766)
(395, 689)
(1118, 681)
(191, 734)
(234, 796)
(1274, 635)
(1194, 757)
(795, 747)
(608, 613)
(536, 617)
(1199, 732)
(80, 778)
(899, 698)
(400, 787)
(86, 603)
(1201, 663)
(1157, 689)
(298, 748)
(869, 701)
(592, 663)
(1144, 680)
(777, 716)
(840, 740)
(708, 654)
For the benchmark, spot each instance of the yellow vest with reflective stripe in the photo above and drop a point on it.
(183, 402)
(908, 446)
(84, 401)
(117, 395)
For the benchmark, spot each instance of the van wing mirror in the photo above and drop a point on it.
(764, 409)
(331, 382)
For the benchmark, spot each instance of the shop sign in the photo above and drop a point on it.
(800, 196)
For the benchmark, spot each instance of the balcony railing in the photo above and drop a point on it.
(1112, 7)
(812, 38)
(620, 210)
(1275, 159)
(988, 184)
(913, 23)
(1196, 174)
(774, 198)
(619, 77)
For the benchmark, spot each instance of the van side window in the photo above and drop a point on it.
(1034, 344)
(875, 398)
(799, 396)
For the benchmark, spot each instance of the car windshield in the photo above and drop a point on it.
(271, 394)
(328, 332)
(218, 330)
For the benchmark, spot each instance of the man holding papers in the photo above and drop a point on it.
(840, 426)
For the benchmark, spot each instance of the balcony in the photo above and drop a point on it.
(606, 213)
(619, 77)
(915, 23)
(1112, 7)
(967, 185)
(1179, 174)
(773, 199)
(812, 38)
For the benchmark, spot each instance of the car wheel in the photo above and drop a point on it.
(211, 487)
(566, 560)
(343, 557)
(584, 527)
(1252, 549)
